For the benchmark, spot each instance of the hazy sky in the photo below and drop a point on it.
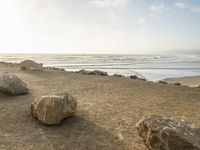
(99, 26)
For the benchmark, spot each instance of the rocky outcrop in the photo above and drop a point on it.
(52, 109)
(29, 64)
(161, 133)
(95, 72)
(12, 85)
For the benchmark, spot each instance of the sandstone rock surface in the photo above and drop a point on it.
(12, 85)
(161, 133)
(52, 109)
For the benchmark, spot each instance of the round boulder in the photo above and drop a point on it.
(52, 109)
(12, 85)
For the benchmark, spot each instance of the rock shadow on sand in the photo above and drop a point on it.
(76, 133)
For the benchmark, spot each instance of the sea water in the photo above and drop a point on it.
(151, 67)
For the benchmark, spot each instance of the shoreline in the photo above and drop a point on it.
(191, 81)
(152, 67)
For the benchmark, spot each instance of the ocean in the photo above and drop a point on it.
(151, 67)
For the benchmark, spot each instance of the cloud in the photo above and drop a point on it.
(157, 8)
(119, 4)
(182, 5)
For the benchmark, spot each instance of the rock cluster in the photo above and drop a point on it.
(161, 133)
(12, 85)
(52, 109)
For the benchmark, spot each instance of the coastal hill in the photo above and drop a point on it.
(108, 109)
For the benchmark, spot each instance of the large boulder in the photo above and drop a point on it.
(161, 133)
(29, 64)
(12, 85)
(52, 109)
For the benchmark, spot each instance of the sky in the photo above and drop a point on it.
(99, 26)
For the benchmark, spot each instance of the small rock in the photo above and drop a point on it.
(52, 109)
(133, 77)
(12, 85)
(161, 133)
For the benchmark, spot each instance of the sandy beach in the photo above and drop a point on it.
(108, 109)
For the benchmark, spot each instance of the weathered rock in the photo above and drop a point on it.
(161, 133)
(162, 82)
(29, 64)
(52, 109)
(12, 85)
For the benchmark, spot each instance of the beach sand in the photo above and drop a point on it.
(108, 109)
